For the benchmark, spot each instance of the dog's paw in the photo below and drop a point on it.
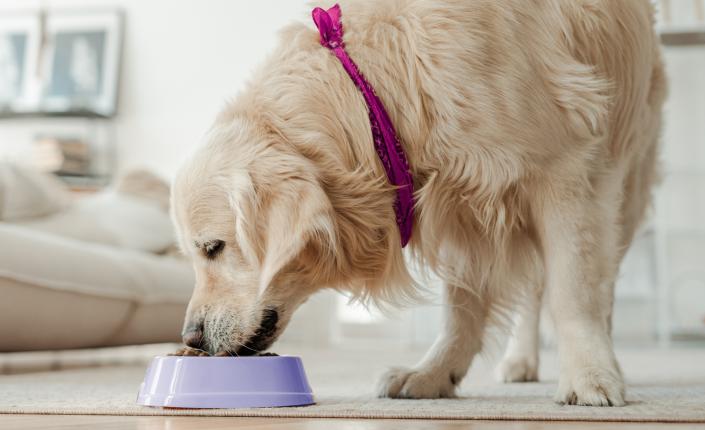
(517, 369)
(190, 352)
(402, 383)
(591, 387)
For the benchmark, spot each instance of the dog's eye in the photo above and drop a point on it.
(213, 248)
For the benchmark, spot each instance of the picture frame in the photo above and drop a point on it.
(81, 63)
(20, 40)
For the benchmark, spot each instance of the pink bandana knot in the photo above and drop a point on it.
(387, 144)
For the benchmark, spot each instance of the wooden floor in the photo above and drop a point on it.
(22, 422)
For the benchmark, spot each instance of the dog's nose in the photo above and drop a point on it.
(193, 336)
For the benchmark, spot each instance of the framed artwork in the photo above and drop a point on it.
(19, 53)
(81, 62)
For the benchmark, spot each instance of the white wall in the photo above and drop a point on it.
(181, 61)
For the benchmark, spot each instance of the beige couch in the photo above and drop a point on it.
(85, 272)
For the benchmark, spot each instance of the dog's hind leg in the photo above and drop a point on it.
(448, 360)
(521, 358)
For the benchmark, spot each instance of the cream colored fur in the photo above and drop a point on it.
(531, 128)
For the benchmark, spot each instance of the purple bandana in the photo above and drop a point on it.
(386, 141)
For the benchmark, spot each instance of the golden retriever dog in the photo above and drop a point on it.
(531, 129)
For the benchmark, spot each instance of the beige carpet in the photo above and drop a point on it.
(666, 386)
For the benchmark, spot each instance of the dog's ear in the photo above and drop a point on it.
(297, 211)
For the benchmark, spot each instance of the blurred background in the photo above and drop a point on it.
(100, 102)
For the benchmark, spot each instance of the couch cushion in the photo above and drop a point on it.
(67, 264)
(112, 218)
(63, 293)
(26, 193)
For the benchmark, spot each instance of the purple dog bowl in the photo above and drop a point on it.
(225, 382)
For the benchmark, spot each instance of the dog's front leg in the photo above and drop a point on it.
(447, 362)
(581, 259)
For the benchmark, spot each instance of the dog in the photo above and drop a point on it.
(531, 130)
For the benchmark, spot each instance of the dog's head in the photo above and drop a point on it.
(252, 216)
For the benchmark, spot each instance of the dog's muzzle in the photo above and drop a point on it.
(264, 336)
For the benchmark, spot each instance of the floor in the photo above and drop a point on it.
(644, 365)
(51, 422)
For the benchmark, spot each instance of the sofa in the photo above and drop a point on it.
(91, 270)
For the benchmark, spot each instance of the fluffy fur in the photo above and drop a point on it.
(531, 128)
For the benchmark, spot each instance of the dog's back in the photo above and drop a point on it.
(489, 93)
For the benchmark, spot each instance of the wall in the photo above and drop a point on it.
(182, 60)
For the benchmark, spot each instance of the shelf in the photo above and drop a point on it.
(84, 181)
(78, 113)
(682, 36)
(688, 334)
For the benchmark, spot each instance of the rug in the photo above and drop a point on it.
(663, 386)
